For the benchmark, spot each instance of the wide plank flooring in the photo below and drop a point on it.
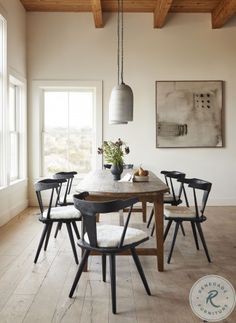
(32, 293)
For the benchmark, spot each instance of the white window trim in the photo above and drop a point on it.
(19, 81)
(3, 107)
(36, 117)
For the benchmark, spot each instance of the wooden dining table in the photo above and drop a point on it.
(102, 187)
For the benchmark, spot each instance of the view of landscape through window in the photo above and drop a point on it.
(68, 136)
(13, 128)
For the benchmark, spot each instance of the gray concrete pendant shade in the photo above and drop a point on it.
(121, 104)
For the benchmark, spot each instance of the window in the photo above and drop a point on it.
(3, 91)
(14, 131)
(17, 129)
(12, 119)
(71, 129)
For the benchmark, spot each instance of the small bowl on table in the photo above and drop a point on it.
(141, 178)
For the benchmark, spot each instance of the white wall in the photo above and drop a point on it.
(14, 198)
(66, 46)
(16, 33)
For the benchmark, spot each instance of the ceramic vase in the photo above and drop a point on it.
(116, 171)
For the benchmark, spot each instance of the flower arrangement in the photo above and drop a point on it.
(113, 152)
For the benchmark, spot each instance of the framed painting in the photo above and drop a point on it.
(189, 114)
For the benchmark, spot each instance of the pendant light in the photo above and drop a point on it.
(121, 100)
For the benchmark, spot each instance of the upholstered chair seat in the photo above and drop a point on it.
(63, 212)
(179, 212)
(108, 236)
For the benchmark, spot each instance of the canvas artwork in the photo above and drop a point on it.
(189, 113)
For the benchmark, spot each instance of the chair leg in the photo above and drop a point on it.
(79, 272)
(45, 229)
(104, 261)
(72, 241)
(113, 281)
(47, 236)
(195, 235)
(59, 225)
(150, 218)
(167, 229)
(153, 229)
(76, 229)
(203, 240)
(182, 228)
(85, 269)
(173, 241)
(140, 270)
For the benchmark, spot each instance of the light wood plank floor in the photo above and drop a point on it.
(32, 293)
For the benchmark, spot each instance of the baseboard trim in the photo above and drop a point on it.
(12, 212)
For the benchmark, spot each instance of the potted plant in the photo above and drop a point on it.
(113, 153)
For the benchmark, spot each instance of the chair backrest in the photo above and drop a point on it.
(44, 185)
(68, 176)
(202, 185)
(89, 209)
(178, 176)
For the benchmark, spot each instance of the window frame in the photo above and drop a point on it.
(20, 127)
(38, 88)
(3, 103)
(16, 129)
(8, 75)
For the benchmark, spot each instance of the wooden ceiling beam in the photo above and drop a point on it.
(97, 13)
(160, 12)
(223, 12)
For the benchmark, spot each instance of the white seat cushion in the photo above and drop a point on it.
(63, 212)
(179, 212)
(109, 235)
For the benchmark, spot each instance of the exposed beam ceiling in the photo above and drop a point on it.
(97, 13)
(221, 10)
(160, 12)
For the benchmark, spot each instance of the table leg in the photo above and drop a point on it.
(159, 221)
(144, 207)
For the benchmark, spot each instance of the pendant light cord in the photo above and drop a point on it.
(122, 41)
(118, 41)
(120, 48)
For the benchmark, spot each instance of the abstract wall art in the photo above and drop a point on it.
(189, 114)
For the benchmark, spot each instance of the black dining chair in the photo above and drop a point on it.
(174, 196)
(195, 216)
(54, 214)
(65, 197)
(107, 240)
